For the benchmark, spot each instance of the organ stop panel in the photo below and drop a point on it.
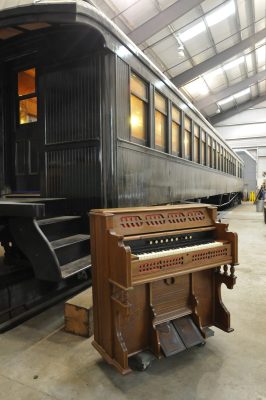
(157, 275)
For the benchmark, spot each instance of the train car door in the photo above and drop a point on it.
(26, 138)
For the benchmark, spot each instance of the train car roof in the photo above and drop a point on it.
(10, 10)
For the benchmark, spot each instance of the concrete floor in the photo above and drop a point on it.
(39, 361)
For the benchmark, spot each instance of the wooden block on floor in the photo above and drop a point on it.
(79, 314)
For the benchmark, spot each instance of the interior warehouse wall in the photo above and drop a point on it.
(247, 131)
(249, 172)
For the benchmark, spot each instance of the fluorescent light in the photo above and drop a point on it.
(234, 97)
(212, 76)
(234, 63)
(242, 93)
(221, 13)
(197, 87)
(260, 53)
(192, 32)
(225, 101)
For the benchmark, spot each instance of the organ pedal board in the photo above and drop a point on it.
(178, 335)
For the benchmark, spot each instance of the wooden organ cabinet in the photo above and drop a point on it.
(157, 279)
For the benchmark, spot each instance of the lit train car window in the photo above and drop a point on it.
(27, 97)
(187, 138)
(176, 131)
(138, 109)
(196, 142)
(203, 148)
(160, 121)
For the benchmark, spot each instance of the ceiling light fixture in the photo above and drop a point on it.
(197, 87)
(221, 13)
(225, 101)
(242, 93)
(234, 63)
(234, 97)
(192, 32)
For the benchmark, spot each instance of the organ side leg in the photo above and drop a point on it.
(221, 314)
(194, 306)
(120, 310)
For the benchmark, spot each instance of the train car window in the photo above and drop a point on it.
(221, 159)
(225, 166)
(209, 152)
(203, 148)
(138, 109)
(213, 154)
(27, 97)
(187, 138)
(218, 156)
(160, 121)
(196, 142)
(176, 131)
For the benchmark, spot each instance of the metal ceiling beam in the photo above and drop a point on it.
(231, 90)
(161, 20)
(236, 110)
(218, 59)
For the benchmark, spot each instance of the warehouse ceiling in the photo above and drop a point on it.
(213, 50)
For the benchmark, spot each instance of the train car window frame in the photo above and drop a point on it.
(160, 121)
(27, 96)
(196, 143)
(214, 147)
(187, 138)
(203, 147)
(222, 159)
(139, 95)
(218, 156)
(176, 127)
(209, 151)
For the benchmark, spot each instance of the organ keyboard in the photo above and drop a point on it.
(156, 275)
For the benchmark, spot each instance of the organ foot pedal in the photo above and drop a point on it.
(178, 335)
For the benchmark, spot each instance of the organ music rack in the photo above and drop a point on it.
(157, 279)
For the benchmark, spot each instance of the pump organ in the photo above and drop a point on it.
(157, 279)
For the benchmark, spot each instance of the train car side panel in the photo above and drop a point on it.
(147, 176)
